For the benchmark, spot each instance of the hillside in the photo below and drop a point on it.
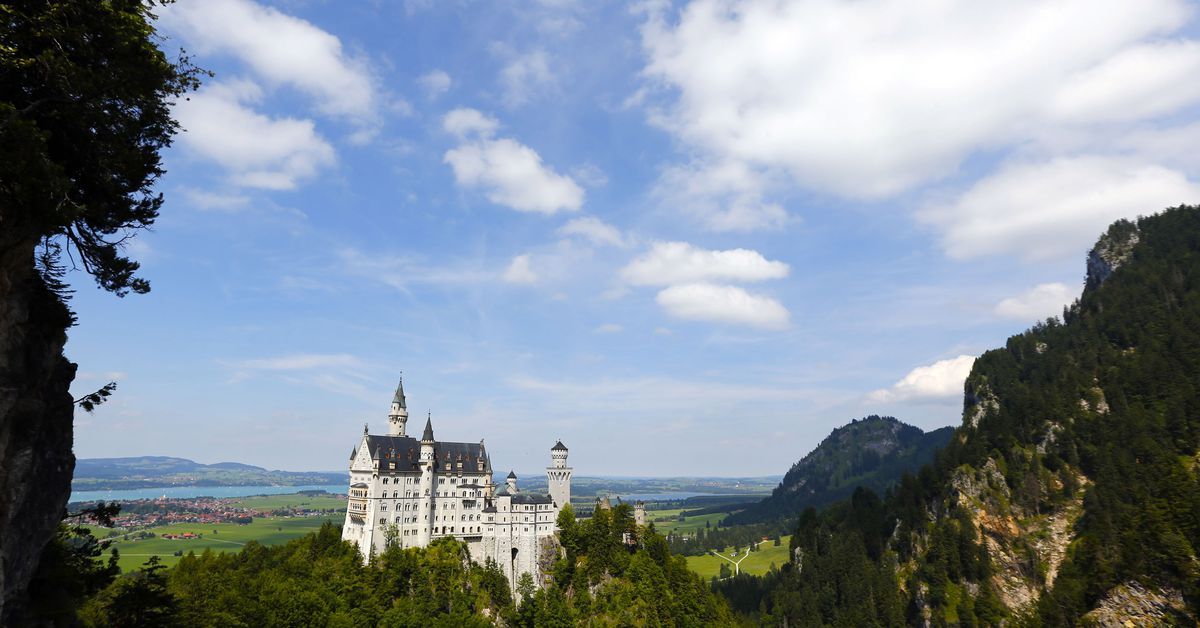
(1071, 492)
(102, 474)
(873, 452)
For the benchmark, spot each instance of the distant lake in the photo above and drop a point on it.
(199, 491)
(659, 497)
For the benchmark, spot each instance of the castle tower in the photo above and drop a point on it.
(511, 483)
(558, 475)
(639, 513)
(426, 464)
(398, 415)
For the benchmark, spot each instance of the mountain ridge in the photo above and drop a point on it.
(874, 451)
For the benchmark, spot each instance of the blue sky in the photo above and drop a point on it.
(684, 238)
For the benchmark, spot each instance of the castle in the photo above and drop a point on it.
(408, 492)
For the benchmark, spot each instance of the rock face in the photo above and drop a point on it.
(1131, 604)
(36, 412)
(1111, 251)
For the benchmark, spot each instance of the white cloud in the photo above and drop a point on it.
(510, 173)
(435, 83)
(301, 361)
(722, 304)
(215, 201)
(1038, 303)
(871, 98)
(257, 150)
(1055, 209)
(519, 271)
(608, 328)
(464, 122)
(524, 75)
(594, 230)
(725, 196)
(679, 262)
(280, 48)
(941, 379)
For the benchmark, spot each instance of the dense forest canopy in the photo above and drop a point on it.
(1097, 414)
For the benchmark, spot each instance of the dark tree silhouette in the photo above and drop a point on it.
(84, 113)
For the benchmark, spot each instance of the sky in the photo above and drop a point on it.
(685, 239)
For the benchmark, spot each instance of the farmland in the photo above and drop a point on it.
(218, 537)
(757, 563)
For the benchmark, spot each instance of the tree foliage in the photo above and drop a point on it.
(85, 94)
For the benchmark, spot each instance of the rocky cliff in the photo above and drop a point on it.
(36, 412)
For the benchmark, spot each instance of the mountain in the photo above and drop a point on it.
(102, 474)
(873, 452)
(1069, 495)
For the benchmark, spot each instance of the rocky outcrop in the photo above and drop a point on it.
(36, 412)
(1026, 549)
(1131, 604)
(1112, 250)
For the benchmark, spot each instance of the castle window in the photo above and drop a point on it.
(385, 480)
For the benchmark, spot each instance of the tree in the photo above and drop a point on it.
(84, 113)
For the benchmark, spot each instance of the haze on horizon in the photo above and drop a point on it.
(685, 239)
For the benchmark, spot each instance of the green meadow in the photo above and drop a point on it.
(756, 563)
(218, 537)
(668, 521)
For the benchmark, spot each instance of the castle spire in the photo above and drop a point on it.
(398, 398)
(427, 436)
(398, 414)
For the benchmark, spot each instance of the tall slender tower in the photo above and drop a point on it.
(558, 475)
(427, 498)
(398, 415)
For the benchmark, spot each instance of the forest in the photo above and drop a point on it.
(1099, 410)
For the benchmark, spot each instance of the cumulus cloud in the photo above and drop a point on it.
(871, 98)
(593, 230)
(258, 151)
(722, 304)
(281, 49)
(679, 262)
(941, 379)
(519, 271)
(1053, 209)
(1037, 303)
(877, 98)
(435, 83)
(509, 173)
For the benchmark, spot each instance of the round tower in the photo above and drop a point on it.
(398, 414)
(558, 475)
(511, 483)
(425, 531)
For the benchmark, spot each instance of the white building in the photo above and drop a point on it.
(408, 492)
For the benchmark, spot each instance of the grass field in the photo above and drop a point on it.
(294, 500)
(756, 563)
(219, 537)
(668, 521)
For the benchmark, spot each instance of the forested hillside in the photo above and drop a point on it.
(873, 452)
(103, 474)
(1070, 493)
(604, 571)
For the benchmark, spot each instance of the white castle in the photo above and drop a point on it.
(408, 492)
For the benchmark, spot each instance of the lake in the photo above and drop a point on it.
(199, 491)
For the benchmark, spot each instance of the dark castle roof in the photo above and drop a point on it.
(405, 452)
(427, 435)
(559, 447)
(512, 475)
(531, 498)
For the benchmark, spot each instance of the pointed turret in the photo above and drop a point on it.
(398, 414)
(427, 435)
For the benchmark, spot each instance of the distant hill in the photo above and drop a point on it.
(873, 452)
(103, 474)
